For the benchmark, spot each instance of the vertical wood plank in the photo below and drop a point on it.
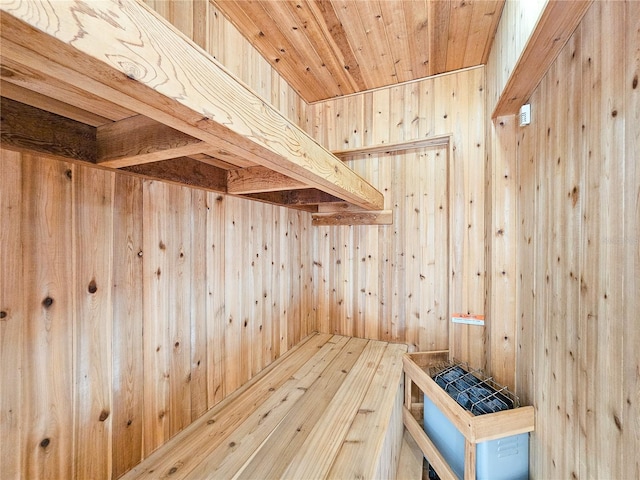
(177, 240)
(48, 371)
(93, 212)
(216, 310)
(127, 345)
(12, 311)
(631, 255)
(156, 347)
(199, 370)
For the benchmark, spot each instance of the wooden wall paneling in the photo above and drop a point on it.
(270, 331)
(157, 282)
(385, 244)
(199, 370)
(321, 276)
(426, 108)
(127, 345)
(216, 298)
(631, 338)
(277, 293)
(502, 256)
(177, 240)
(12, 319)
(48, 392)
(415, 230)
(441, 241)
(398, 312)
(93, 219)
(372, 264)
(295, 265)
(233, 289)
(280, 226)
(571, 114)
(611, 287)
(555, 260)
(258, 337)
(246, 294)
(590, 261)
(307, 290)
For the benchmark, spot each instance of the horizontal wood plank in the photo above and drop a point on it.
(29, 129)
(383, 217)
(184, 171)
(139, 139)
(259, 179)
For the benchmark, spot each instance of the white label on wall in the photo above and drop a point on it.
(468, 319)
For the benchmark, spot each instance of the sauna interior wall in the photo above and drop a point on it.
(91, 259)
(400, 282)
(517, 23)
(575, 195)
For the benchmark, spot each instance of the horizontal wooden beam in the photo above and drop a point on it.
(35, 80)
(554, 28)
(127, 54)
(139, 139)
(259, 179)
(48, 104)
(26, 128)
(382, 217)
(436, 140)
(184, 171)
(309, 196)
(203, 157)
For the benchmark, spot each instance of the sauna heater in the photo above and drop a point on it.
(505, 458)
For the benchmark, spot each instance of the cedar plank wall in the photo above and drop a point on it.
(400, 282)
(220, 285)
(576, 243)
(517, 22)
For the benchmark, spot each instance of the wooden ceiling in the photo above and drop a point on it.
(328, 48)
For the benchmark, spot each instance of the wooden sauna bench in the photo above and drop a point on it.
(329, 408)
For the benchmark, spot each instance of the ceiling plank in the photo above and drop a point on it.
(417, 22)
(184, 171)
(439, 12)
(460, 16)
(259, 179)
(266, 36)
(326, 18)
(121, 61)
(139, 139)
(554, 28)
(29, 129)
(383, 217)
(297, 35)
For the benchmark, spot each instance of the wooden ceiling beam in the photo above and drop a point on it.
(309, 196)
(259, 179)
(184, 171)
(29, 129)
(139, 139)
(127, 54)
